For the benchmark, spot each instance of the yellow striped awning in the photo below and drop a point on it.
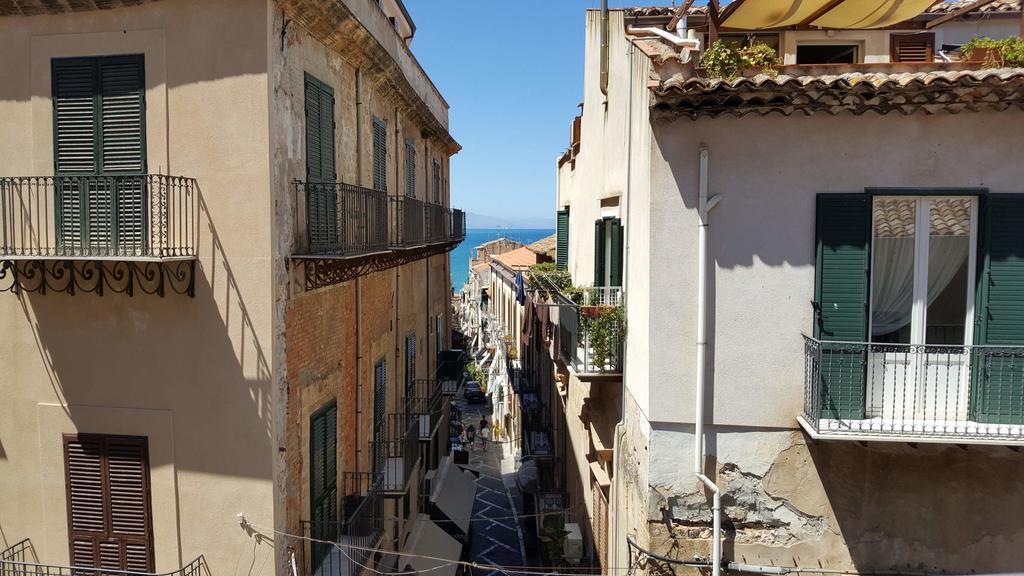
(835, 14)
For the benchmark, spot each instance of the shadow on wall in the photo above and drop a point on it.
(929, 507)
(199, 358)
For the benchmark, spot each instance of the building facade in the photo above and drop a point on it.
(225, 237)
(821, 346)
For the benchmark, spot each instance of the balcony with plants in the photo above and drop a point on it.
(589, 323)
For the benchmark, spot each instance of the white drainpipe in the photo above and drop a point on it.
(682, 41)
(704, 208)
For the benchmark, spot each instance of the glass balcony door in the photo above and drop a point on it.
(923, 257)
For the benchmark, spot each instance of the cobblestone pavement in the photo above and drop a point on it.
(497, 536)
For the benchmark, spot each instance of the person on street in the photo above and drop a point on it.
(485, 434)
(471, 435)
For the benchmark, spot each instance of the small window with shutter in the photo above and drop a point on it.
(99, 129)
(380, 155)
(912, 47)
(109, 514)
(321, 195)
(410, 169)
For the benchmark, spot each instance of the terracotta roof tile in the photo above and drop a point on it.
(997, 6)
(519, 259)
(953, 90)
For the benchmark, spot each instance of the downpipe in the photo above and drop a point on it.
(704, 208)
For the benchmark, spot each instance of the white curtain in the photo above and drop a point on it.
(892, 293)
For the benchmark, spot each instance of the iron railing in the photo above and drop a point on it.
(924, 391)
(21, 560)
(408, 222)
(148, 216)
(342, 219)
(425, 405)
(342, 547)
(397, 451)
(590, 336)
(439, 225)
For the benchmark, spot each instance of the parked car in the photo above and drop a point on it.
(473, 393)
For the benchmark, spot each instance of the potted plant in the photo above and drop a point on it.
(992, 53)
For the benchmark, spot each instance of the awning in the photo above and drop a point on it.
(428, 539)
(847, 14)
(454, 493)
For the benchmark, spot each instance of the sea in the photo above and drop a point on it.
(477, 236)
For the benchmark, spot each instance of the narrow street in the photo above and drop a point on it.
(497, 533)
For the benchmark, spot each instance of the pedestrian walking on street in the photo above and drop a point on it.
(485, 434)
(471, 435)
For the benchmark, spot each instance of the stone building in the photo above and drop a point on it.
(819, 266)
(225, 229)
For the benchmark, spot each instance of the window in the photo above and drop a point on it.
(608, 252)
(380, 386)
(109, 513)
(441, 336)
(380, 155)
(898, 271)
(99, 130)
(827, 53)
(323, 474)
(410, 366)
(437, 182)
(912, 47)
(321, 195)
(410, 169)
(562, 241)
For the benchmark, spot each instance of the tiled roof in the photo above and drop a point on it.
(952, 90)
(997, 6)
(518, 259)
(653, 11)
(545, 245)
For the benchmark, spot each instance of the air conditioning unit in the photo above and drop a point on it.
(572, 548)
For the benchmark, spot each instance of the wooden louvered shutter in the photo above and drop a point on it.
(841, 299)
(912, 47)
(999, 377)
(321, 195)
(99, 130)
(437, 182)
(614, 230)
(410, 169)
(109, 515)
(410, 366)
(380, 382)
(323, 474)
(380, 155)
(599, 252)
(562, 241)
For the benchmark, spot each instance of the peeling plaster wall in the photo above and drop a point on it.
(839, 504)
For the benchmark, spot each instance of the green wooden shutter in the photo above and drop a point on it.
(99, 130)
(998, 374)
(410, 169)
(118, 209)
(841, 300)
(615, 230)
(380, 154)
(323, 470)
(380, 383)
(321, 195)
(562, 241)
(599, 252)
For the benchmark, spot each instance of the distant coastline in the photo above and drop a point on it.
(477, 236)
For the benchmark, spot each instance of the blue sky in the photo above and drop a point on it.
(512, 72)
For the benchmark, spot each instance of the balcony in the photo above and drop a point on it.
(590, 326)
(359, 530)
(99, 233)
(395, 451)
(914, 393)
(21, 560)
(426, 407)
(344, 231)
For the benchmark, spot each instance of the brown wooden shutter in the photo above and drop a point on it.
(109, 514)
(912, 47)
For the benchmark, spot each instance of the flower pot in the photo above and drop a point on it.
(590, 311)
(986, 56)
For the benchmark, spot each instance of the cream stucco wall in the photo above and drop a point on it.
(191, 374)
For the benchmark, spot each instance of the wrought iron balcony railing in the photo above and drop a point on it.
(914, 392)
(426, 406)
(21, 560)
(134, 217)
(343, 219)
(396, 450)
(337, 219)
(359, 529)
